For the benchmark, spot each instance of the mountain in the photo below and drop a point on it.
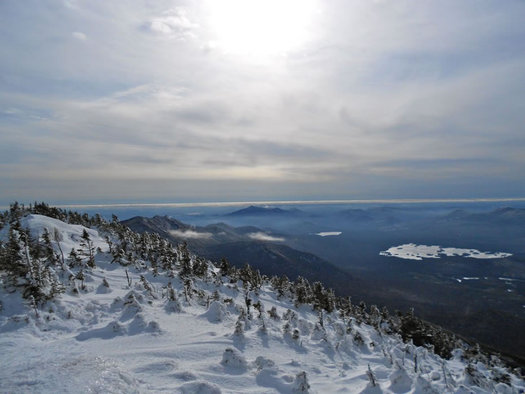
(248, 244)
(156, 224)
(277, 259)
(157, 319)
(356, 214)
(510, 213)
(376, 215)
(197, 237)
(265, 211)
(500, 216)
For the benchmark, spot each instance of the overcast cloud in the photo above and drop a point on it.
(149, 101)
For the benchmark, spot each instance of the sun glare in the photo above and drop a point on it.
(261, 27)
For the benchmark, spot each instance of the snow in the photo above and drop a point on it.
(69, 235)
(126, 338)
(329, 233)
(216, 312)
(413, 251)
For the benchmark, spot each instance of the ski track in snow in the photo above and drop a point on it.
(127, 339)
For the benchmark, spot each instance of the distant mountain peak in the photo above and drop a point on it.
(509, 211)
(457, 213)
(254, 210)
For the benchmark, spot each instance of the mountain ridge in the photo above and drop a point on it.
(144, 316)
(236, 245)
(254, 210)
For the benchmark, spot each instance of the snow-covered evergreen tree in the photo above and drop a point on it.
(273, 335)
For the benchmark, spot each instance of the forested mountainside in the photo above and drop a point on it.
(243, 245)
(90, 305)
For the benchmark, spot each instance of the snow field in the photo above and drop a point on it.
(129, 337)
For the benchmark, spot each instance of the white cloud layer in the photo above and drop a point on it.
(260, 236)
(79, 36)
(174, 22)
(190, 234)
(329, 233)
(377, 100)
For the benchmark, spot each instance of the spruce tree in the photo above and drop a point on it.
(225, 267)
(185, 261)
(57, 238)
(73, 259)
(47, 249)
(12, 261)
(87, 250)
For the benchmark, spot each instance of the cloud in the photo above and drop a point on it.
(390, 98)
(260, 236)
(329, 233)
(175, 23)
(79, 36)
(190, 234)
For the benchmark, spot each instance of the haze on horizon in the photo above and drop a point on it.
(261, 100)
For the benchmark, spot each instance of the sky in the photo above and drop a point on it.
(161, 101)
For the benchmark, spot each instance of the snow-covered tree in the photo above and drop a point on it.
(87, 250)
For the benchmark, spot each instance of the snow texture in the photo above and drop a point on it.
(123, 339)
(69, 235)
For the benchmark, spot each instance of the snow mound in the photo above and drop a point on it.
(301, 383)
(231, 358)
(400, 381)
(68, 235)
(263, 363)
(199, 388)
(216, 312)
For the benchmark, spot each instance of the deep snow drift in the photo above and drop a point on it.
(130, 327)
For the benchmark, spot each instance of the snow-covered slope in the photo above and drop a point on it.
(69, 235)
(130, 327)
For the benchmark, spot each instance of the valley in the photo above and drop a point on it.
(130, 312)
(342, 247)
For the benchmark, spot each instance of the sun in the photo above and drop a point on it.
(261, 27)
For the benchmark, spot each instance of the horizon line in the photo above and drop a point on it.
(288, 202)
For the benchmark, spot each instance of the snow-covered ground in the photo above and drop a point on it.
(123, 334)
(67, 235)
(419, 252)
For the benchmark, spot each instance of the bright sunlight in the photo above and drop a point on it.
(261, 27)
